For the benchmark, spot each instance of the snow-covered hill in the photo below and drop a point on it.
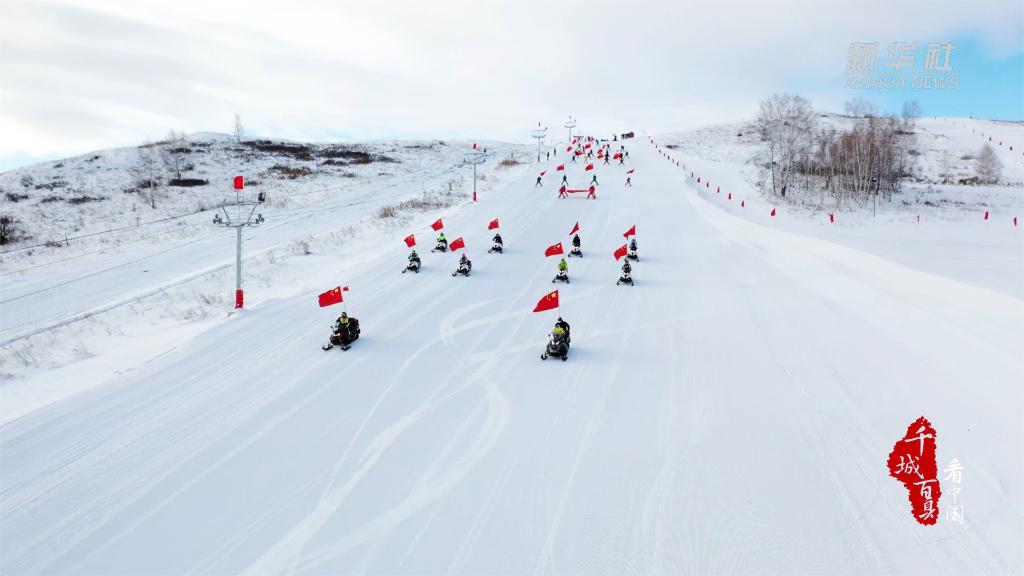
(730, 413)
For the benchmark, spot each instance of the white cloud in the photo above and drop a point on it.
(81, 75)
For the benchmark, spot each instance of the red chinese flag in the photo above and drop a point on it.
(437, 225)
(616, 156)
(579, 152)
(239, 182)
(331, 297)
(560, 167)
(589, 167)
(630, 232)
(410, 240)
(631, 171)
(568, 148)
(548, 302)
(832, 218)
(554, 249)
(620, 252)
(494, 224)
(575, 229)
(588, 145)
(456, 244)
(474, 145)
(344, 288)
(544, 172)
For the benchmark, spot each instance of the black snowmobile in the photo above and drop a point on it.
(465, 266)
(562, 276)
(626, 277)
(442, 246)
(575, 251)
(558, 346)
(343, 335)
(414, 264)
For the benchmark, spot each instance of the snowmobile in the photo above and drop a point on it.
(497, 247)
(343, 338)
(562, 276)
(558, 346)
(625, 278)
(465, 266)
(442, 246)
(632, 255)
(575, 251)
(414, 266)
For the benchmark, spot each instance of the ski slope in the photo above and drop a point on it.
(731, 413)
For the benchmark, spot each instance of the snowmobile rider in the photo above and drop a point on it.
(563, 266)
(632, 244)
(414, 257)
(497, 238)
(626, 268)
(343, 326)
(464, 261)
(561, 330)
(441, 239)
(576, 241)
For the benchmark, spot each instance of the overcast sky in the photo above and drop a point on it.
(77, 76)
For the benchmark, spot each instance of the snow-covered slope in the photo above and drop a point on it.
(731, 413)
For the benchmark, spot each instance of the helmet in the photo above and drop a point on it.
(344, 314)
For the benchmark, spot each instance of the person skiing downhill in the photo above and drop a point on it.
(538, 182)
(565, 180)
(605, 158)
(629, 181)
(593, 180)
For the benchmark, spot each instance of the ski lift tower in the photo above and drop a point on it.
(476, 157)
(570, 124)
(237, 215)
(538, 133)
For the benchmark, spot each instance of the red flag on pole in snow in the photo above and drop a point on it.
(589, 167)
(456, 244)
(631, 171)
(554, 250)
(239, 182)
(437, 225)
(773, 211)
(630, 232)
(620, 252)
(560, 167)
(494, 224)
(410, 240)
(575, 229)
(474, 145)
(544, 172)
(831, 218)
(548, 302)
(616, 156)
(568, 148)
(331, 297)
(730, 195)
(986, 214)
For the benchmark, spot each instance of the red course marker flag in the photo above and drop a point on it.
(831, 218)
(331, 297)
(456, 244)
(630, 232)
(548, 302)
(474, 145)
(239, 182)
(410, 240)
(575, 229)
(544, 172)
(560, 167)
(437, 225)
(986, 214)
(568, 148)
(494, 224)
(554, 249)
(773, 211)
(589, 167)
(631, 171)
(620, 252)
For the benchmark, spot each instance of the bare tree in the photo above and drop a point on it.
(860, 107)
(239, 130)
(173, 153)
(787, 125)
(988, 166)
(911, 111)
(147, 171)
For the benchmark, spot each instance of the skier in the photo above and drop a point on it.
(622, 160)
(548, 156)
(629, 182)
(563, 272)
(573, 158)
(538, 182)
(497, 245)
(565, 180)
(414, 263)
(442, 244)
(465, 266)
(344, 332)
(593, 180)
(606, 158)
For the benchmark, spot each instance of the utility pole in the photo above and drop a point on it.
(237, 215)
(570, 124)
(538, 133)
(476, 157)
